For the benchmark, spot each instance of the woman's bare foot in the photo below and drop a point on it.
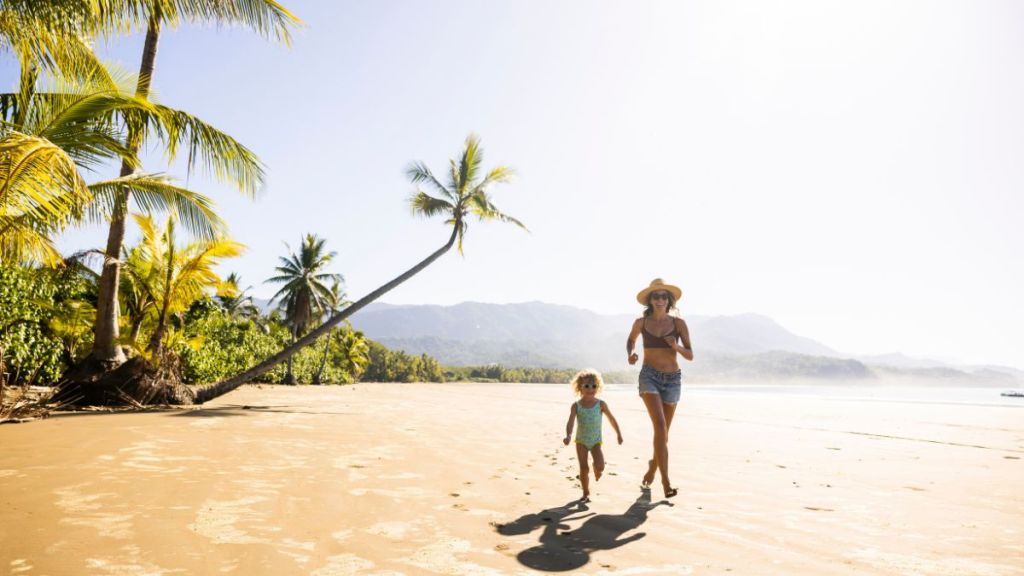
(649, 476)
(586, 497)
(670, 491)
(597, 474)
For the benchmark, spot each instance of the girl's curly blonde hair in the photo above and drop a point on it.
(586, 376)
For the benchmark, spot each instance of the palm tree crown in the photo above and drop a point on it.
(466, 191)
(306, 292)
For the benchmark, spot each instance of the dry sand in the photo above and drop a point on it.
(473, 479)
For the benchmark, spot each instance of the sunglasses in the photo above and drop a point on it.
(660, 296)
(588, 386)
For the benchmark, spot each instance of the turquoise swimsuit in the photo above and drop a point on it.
(588, 430)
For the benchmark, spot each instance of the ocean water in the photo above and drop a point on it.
(899, 394)
(976, 396)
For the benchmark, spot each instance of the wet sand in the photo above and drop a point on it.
(473, 479)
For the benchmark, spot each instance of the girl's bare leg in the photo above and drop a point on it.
(598, 461)
(652, 465)
(581, 455)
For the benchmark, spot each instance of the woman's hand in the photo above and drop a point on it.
(620, 438)
(565, 440)
(633, 358)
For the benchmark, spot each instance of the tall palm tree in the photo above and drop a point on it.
(465, 195)
(305, 294)
(267, 18)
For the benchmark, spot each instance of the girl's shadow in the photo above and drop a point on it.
(561, 549)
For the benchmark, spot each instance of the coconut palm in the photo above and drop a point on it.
(51, 36)
(235, 301)
(48, 138)
(465, 195)
(305, 294)
(173, 276)
(267, 18)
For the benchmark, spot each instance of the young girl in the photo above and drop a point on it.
(588, 409)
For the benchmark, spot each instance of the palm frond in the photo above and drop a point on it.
(155, 193)
(267, 18)
(423, 204)
(418, 173)
(220, 154)
(469, 164)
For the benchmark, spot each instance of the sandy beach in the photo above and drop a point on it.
(473, 479)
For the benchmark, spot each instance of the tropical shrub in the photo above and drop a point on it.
(40, 313)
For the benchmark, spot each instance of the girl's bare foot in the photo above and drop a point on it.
(649, 476)
(597, 474)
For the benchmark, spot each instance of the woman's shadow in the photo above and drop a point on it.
(562, 549)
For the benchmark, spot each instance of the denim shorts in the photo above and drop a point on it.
(668, 385)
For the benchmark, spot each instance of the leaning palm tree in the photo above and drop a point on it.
(267, 18)
(465, 195)
(305, 293)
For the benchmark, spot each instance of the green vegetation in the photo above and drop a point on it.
(158, 314)
(44, 320)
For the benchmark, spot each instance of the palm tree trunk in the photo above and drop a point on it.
(317, 379)
(106, 348)
(156, 341)
(136, 328)
(289, 376)
(223, 387)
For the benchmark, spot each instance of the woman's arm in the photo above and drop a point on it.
(615, 424)
(631, 341)
(684, 334)
(568, 425)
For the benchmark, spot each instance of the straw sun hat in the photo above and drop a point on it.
(658, 284)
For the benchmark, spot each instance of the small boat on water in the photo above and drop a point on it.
(1013, 393)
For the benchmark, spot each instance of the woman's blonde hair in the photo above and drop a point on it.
(586, 376)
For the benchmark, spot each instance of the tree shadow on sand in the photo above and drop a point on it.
(562, 549)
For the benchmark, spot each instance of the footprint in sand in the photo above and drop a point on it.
(815, 509)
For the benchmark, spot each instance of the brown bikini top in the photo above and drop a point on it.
(655, 341)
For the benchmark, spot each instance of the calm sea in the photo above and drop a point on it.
(914, 394)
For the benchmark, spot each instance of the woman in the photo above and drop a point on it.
(660, 385)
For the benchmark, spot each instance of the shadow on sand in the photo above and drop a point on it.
(562, 549)
(246, 410)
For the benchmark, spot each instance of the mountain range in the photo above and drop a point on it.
(741, 347)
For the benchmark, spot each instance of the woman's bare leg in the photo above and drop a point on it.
(656, 410)
(581, 455)
(598, 461)
(652, 465)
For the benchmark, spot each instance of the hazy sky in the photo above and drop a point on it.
(851, 169)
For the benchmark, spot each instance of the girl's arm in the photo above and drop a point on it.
(615, 424)
(568, 425)
(684, 334)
